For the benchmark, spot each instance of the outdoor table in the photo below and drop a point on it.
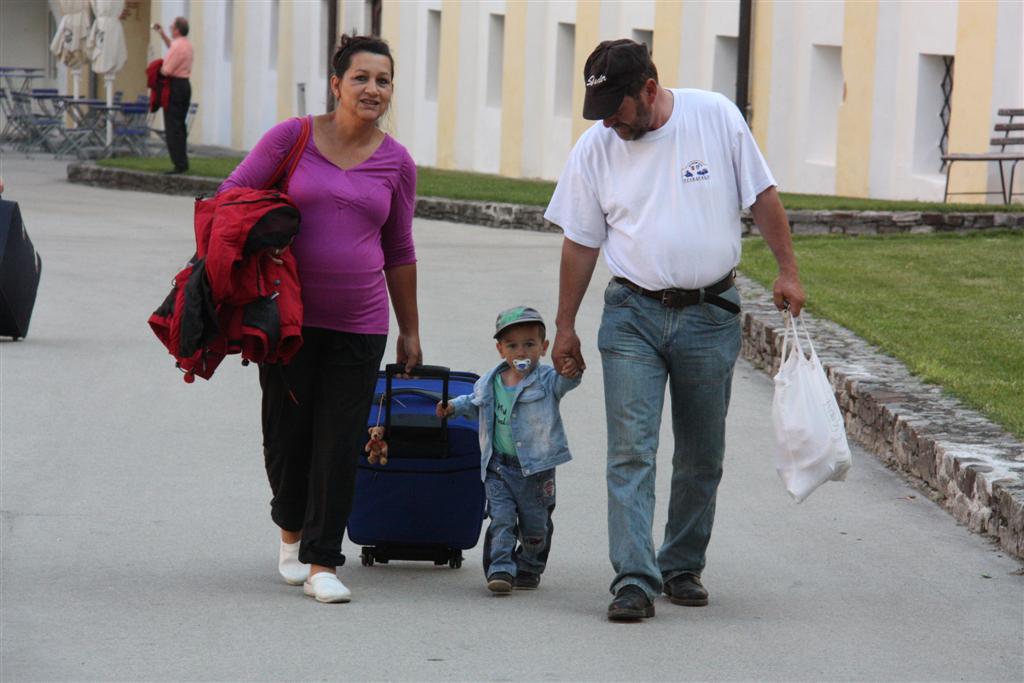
(27, 74)
(89, 130)
(50, 104)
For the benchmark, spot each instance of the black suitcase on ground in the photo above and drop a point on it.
(19, 273)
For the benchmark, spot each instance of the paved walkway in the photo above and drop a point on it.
(137, 544)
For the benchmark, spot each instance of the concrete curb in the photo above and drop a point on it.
(523, 217)
(973, 467)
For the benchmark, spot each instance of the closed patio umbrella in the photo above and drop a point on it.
(69, 43)
(107, 50)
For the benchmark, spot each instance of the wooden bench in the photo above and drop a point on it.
(1006, 140)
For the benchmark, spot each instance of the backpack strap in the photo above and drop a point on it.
(283, 173)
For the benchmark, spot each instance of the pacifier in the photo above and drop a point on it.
(522, 364)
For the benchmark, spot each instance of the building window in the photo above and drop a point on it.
(229, 29)
(726, 62)
(931, 120)
(825, 96)
(495, 59)
(565, 55)
(644, 37)
(375, 16)
(275, 20)
(433, 52)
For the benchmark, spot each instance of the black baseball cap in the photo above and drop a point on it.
(610, 69)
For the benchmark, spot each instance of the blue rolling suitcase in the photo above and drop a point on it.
(427, 502)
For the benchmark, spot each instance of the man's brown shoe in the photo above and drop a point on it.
(630, 604)
(686, 589)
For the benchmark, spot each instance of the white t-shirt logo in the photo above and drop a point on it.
(694, 171)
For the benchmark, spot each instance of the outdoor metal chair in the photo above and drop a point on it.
(6, 110)
(130, 130)
(190, 117)
(39, 117)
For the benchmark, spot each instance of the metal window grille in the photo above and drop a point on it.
(944, 113)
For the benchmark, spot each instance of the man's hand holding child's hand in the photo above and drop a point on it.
(442, 410)
(570, 368)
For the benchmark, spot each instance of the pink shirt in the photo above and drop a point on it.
(178, 62)
(356, 223)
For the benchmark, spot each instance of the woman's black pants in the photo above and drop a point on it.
(311, 444)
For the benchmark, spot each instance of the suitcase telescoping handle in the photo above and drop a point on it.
(422, 371)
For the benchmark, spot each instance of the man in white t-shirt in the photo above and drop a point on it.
(660, 186)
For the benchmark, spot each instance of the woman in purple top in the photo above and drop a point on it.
(355, 187)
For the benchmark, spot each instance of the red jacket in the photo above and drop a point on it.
(233, 296)
(158, 84)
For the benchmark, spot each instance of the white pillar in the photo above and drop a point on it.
(75, 73)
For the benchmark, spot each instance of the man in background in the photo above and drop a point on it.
(177, 67)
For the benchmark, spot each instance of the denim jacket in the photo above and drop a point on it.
(536, 422)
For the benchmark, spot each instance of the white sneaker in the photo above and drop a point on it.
(288, 565)
(326, 587)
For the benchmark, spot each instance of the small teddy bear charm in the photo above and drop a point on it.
(377, 447)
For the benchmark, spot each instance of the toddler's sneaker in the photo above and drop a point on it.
(500, 583)
(526, 581)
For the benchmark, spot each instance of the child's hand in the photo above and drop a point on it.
(570, 368)
(442, 410)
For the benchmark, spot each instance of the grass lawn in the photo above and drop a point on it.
(200, 166)
(949, 306)
(434, 182)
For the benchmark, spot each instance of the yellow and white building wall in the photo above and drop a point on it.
(845, 97)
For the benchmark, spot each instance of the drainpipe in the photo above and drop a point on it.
(743, 60)
(332, 42)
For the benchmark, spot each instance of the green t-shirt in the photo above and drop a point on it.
(503, 398)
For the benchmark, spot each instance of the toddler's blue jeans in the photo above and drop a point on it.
(519, 536)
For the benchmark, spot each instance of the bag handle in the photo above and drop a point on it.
(283, 173)
(791, 325)
(438, 372)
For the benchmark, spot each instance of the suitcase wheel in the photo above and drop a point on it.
(367, 557)
(455, 561)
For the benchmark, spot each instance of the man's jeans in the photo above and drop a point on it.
(520, 509)
(642, 344)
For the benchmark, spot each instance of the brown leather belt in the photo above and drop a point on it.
(680, 298)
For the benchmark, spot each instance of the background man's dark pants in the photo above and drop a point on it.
(174, 122)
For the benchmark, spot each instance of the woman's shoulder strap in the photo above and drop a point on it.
(282, 174)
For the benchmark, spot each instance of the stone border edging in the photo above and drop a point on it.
(976, 468)
(524, 217)
(87, 173)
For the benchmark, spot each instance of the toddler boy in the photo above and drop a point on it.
(521, 443)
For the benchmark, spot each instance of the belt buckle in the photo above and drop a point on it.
(668, 298)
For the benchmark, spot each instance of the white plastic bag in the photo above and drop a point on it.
(810, 433)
